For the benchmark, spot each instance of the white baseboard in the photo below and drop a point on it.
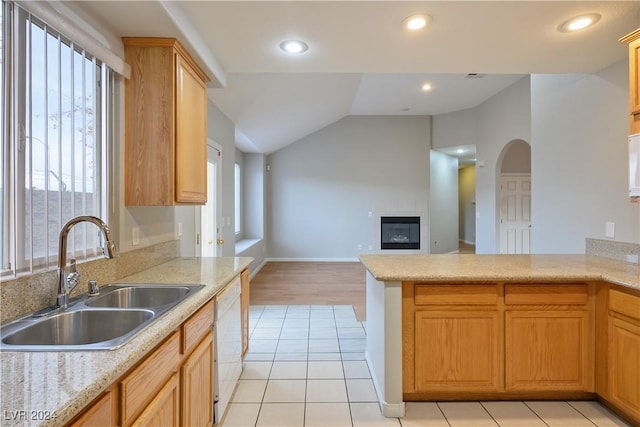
(389, 410)
(393, 410)
(313, 259)
(467, 242)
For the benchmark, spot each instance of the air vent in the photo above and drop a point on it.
(474, 76)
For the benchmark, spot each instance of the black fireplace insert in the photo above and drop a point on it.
(400, 232)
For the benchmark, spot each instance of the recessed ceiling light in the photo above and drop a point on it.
(416, 22)
(294, 46)
(426, 87)
(579, 22)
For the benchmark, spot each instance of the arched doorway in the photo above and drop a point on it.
(514, 198)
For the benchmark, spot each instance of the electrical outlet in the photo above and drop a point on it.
(135, 236)
(179, 229)
(609, 229)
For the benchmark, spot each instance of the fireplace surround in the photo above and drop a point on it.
(400, 232)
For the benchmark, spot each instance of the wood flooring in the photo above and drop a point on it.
(332, 283)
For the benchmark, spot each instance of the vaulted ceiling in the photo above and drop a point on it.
(361, 61)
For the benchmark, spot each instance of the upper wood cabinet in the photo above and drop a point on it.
(633, 40)
(165, 125)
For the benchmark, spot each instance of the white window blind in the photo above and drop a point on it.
(57, 125)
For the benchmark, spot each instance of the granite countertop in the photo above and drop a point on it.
(35, 386)
(518, 268)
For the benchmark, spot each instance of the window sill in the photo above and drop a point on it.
(245, 244)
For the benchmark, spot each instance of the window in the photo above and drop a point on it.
(238, 196)
(55, 125)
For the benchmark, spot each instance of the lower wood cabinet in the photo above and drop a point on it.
(452, 335)
(624, 352)
(197, 385)
(497, 341)
(549, 338)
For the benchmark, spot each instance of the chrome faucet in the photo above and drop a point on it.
(66, 282)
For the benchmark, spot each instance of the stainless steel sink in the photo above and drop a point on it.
(80, 328)
(141, 296)
(103, 322)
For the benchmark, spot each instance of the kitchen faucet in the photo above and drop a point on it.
(66, 283)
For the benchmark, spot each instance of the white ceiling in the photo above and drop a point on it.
(361, 61)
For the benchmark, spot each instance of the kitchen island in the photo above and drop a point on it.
(51, 388)
(462, 327)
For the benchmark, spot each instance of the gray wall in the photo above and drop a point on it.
(322, 189)
(443, 203)
(467, 204)
(253, 169)
(253, 192)
(491, 126)
(579, 159)
(501, 119)
(222, 130)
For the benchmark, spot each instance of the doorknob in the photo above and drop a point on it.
(220, 242)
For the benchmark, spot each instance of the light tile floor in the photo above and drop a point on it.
(306, 368)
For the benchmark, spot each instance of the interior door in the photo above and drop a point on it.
(208, 243)
(515, 214)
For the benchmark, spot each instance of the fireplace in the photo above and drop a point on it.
(400, 232)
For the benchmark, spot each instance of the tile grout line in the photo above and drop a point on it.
(537, 415)
(580, 412)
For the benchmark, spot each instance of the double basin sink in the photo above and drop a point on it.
(102, 322)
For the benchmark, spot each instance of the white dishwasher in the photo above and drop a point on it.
(228, 333)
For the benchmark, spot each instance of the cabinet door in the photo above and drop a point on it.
(191, 135)
(197, 386)
(164, 409)
(457, 351)
(100, 414)
(244, 306)
(548, 350)
(624, 365)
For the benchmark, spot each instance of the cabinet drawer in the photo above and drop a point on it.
(440, 294)
(624, 303)
(137, 389)
(196, 327)
(542, 294)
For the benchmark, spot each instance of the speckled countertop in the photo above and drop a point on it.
(36, 385)
(518, 268)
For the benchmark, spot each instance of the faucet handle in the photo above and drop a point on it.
(73, 278)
